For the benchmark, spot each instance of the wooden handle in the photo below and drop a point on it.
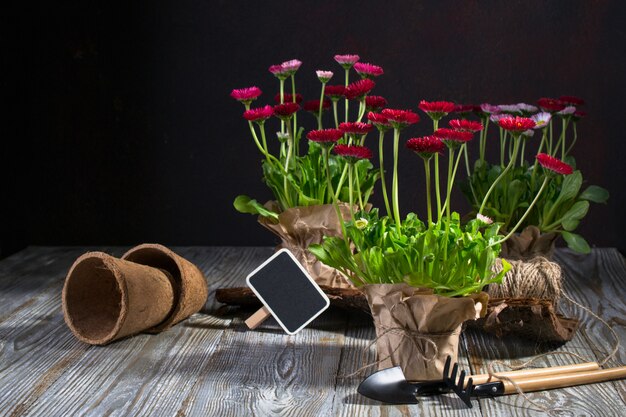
(524, 373)
(257, 318)
(540, 383)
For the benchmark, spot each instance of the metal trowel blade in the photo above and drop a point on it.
(389, 386)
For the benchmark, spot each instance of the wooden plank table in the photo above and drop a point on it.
(211, 365)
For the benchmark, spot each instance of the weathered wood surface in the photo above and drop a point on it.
(211, 365)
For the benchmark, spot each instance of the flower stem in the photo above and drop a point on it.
(358, 187)
(456, 166)
(519, 223)
(437, 191)
(550, 138)
(428, 197)
(502, 145)
(574, 141)
(335, 113)
(282, 100)
(361, 109)
(449, 185)
(287, 163)
(381, 135)
(536, 164)
(295, 116)
(502, 174)
(346, 101)
(394, 185)
(325, 152)
(342, 179)
(483, 139)
(521, 160)
(319, 113)
(350, 190)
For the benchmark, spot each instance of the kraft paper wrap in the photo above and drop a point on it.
(529, 244)
(300, 227)
(418, 330)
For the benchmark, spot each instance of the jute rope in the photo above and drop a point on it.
(537, 278)
(540, 278)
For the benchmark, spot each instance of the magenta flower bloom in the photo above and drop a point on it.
(335, 92)
(355, 128)
(359, 89)
(324, 76)
(246, 95)
(366, 70)
(567, 111)
(463, 108)
(436, 109)
(509, 108)
(550, 104)
(347, 61)
(495, 118)
(286, 110)
(259, 115)
(516, 124)
(553, 164)
(288, 98)
(465, 125)
(314, 105)
(541, 119)
(375, 103)
(484, 219)
(453, 138)
(291, 66)
(279, 71)
(325, 135)
(572, 100)
(490, 108)
(353, 152)
(378, 120)
(527, 108)
(426, 146)
(579, 114)
(400, 119)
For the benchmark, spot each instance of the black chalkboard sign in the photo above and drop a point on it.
(288, 291)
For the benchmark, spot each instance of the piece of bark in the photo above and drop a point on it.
(532, 318)
(346, 298)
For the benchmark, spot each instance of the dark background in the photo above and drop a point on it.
(119, 128)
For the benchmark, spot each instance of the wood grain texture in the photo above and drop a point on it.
(211, 365)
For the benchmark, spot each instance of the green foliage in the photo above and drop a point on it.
(452, 259)
(245, 204)
(560, 208)
(307, 184)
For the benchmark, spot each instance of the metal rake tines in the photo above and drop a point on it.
(463, 389)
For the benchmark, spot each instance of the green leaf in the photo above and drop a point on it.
(245, 204)
(577, 211)
(576, 242)
(595, 194)
(571, 186)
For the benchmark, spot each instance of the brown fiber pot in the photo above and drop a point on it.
(190, 287)
(105, 298)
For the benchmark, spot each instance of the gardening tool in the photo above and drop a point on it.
(390, 385)
(526, 382)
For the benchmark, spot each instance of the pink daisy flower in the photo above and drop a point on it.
(324, 135)
(335, 92)
(355, 128)
(347, 61)
(359, 89)
(324, 76)
(375, 103)
(353, 152)
(246, 95)
(400, 119)
(465, 125)
(426, 146)
(366, 70)
(553, 164)
(259, 115)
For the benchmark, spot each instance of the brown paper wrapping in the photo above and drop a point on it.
(418, 330)
(529, 244)
(300, 227)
